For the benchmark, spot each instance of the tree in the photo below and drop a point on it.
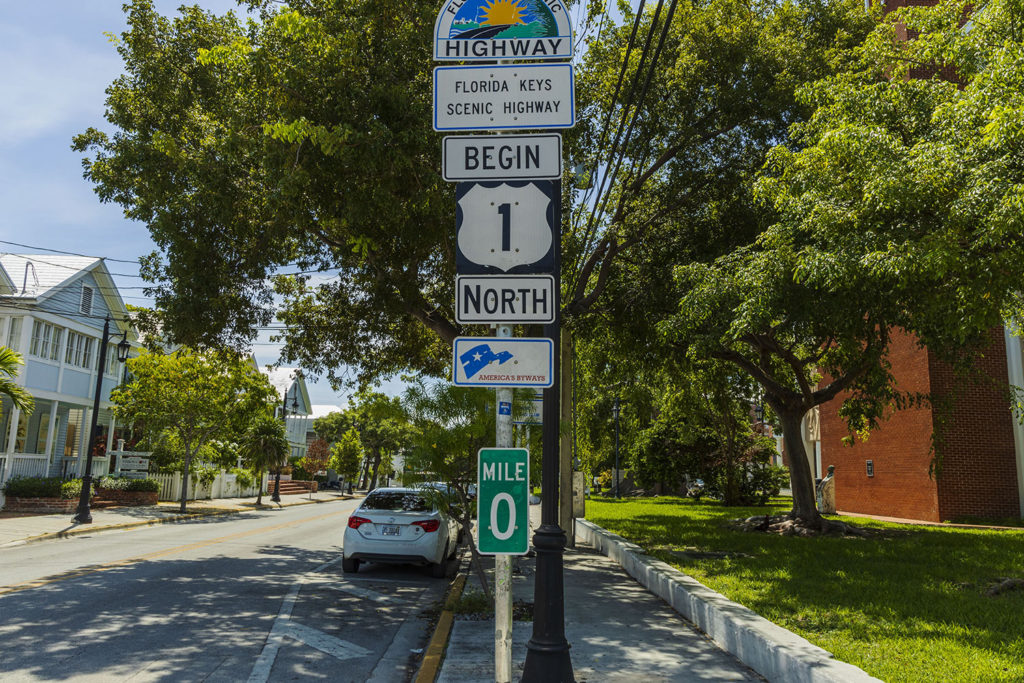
(190, 399)
(300, 138)
(384, 431)
(316, 457)
(264, 447)
(9, 363)
(333, 426)
(722, 93)
(346, 454)
(452, 423)
(892, 210)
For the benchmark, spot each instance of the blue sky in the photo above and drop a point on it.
(57, 63)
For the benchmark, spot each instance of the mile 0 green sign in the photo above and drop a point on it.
(503, 501)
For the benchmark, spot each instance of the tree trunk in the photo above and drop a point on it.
(259, 488)
(801, 480)
(184, 481)
(373, 477)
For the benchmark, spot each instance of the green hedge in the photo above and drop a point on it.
(43, 487)
(125, 484)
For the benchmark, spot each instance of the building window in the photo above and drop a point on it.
(14, 334)
(86, 305)
(46, 340)
(79, 350)
(113, 366)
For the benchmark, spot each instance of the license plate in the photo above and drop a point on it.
(388, 530)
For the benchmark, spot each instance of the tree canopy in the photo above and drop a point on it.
(893, 208)
(191, 399)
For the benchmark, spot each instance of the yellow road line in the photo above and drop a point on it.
(75, 573)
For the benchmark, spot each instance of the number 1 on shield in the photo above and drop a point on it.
(506, 226)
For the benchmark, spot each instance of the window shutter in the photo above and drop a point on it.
(86, 306)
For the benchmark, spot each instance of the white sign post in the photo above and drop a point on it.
(506, 255)
(504, 97)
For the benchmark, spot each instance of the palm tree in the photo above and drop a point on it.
(9, 362)
(263, 447)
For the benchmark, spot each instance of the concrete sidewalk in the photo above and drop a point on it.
(17, 528)
(617, 630)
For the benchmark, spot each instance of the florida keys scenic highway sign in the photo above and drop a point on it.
(468, 30)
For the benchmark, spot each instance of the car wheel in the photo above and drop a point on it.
(349, 565)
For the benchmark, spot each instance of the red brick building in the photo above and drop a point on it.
(980, 444)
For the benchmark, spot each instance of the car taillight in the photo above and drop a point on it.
(354, 522)
(428, 524)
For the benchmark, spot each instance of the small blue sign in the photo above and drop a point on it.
(504, 408)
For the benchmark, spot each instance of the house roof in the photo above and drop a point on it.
(282, 379)
(46, 273)
(32, 277)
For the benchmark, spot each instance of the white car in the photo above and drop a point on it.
(400, 525)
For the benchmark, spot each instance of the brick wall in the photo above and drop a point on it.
(979, 469)
(900, 449)
(979, 463)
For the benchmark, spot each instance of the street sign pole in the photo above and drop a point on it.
(547, 653)
(503, 562)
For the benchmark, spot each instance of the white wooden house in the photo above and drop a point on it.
(52, 311)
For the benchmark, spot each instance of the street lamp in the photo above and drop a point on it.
(284, 417)
(84, 515)
(615, 414)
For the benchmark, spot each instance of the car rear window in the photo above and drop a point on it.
(409, 502)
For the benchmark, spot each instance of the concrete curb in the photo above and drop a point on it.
(438, 647)
(769, 649)
(211, 512)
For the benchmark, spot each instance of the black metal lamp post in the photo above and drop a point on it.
(615, 414)
(84, 514)
(547, 653)
(284, 417)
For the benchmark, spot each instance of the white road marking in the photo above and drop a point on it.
(335, 647)
(284, 627)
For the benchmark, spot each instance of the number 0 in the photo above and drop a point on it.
(503, 497)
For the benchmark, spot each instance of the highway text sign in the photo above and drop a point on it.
(504, 97)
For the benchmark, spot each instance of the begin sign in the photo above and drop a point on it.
(503, 501)
(502, 157)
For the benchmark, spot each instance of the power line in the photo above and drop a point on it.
(601, 198)
(69, 253)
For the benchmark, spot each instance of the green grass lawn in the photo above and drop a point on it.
(904, 605)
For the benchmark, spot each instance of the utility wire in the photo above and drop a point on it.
(619, 143)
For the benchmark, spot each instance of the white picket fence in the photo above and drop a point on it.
(224, 485)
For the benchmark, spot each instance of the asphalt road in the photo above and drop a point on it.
(254, 597)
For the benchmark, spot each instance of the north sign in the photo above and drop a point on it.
(504, 299)
(502, 157)
(505, 228)
(503, 362)
(468, 30)
(503, 501)
(504, 97)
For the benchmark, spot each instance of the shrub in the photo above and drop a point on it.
(243, 477)
(126, 484)
(43, 487)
